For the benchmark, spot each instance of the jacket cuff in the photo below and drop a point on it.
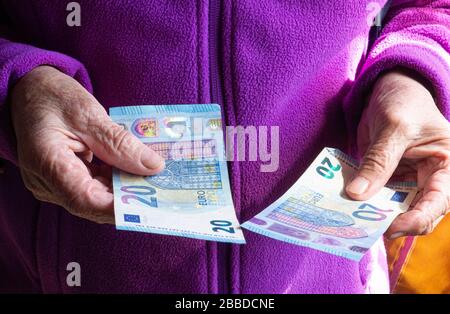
(16, 60)
(432, 63)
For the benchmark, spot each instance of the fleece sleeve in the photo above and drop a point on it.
(16, 60)
(416, 36)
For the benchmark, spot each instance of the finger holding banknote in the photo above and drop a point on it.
(59, 127)
(403, 128)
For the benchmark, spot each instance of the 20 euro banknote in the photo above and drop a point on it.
(191, 197)
(315, 212)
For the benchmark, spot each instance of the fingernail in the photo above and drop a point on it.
(397, 235)
(358, 186)
(151, 160)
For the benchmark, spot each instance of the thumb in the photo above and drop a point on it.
(119, 148)
(378, 164)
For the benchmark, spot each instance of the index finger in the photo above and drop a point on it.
(78, 191)
(432, 206)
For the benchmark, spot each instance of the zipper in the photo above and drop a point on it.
(223, 250)
(214, 47)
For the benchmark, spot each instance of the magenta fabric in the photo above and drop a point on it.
(299, 65)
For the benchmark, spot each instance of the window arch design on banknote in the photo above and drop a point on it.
(307, 216)
(188, 175)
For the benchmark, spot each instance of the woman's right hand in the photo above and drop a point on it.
(59, 126)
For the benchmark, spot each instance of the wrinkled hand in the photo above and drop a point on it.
(403, 134)
(59, 127)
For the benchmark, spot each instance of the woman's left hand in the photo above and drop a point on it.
(403, 134)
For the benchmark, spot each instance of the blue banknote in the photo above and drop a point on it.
(191, 197)
(316, 213)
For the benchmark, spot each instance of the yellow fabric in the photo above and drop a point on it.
(426, 268)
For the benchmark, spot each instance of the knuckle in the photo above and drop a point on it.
(118, 140)
(88, 115)
(424, 223)
(395, 119)
(54, 169)
(56, 172)
(377, 160)
(394, 124)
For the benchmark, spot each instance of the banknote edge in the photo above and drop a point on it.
(249, 226)
(163, 108)
(182, 234)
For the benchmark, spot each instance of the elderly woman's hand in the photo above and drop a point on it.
(403, 133)
(59, 127)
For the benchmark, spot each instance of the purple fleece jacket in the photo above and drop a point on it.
(300, 65)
